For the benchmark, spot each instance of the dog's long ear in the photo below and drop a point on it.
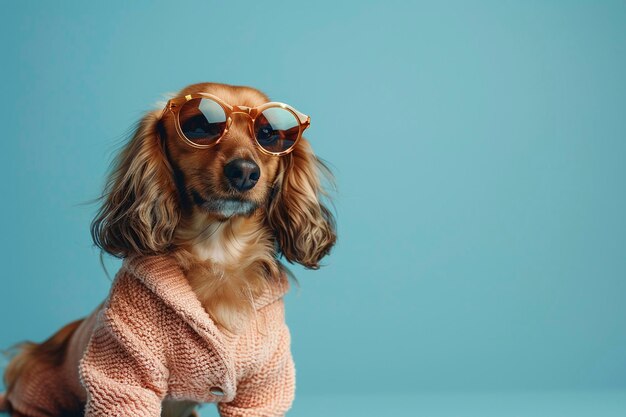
(141, 209)
(304, 227)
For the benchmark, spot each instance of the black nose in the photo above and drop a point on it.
(242, 174)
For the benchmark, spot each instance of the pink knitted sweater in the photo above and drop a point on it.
(151, 341)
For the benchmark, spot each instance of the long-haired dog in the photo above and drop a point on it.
(227, 212)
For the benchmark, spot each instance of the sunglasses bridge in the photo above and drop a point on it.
(251, 112)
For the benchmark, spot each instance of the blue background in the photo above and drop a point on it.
(480, 156)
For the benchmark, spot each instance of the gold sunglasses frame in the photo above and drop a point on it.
(175, 104)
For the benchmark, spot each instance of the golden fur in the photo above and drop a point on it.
(150, 206)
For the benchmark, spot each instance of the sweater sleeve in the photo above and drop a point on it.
(269, 392)
(119, 369)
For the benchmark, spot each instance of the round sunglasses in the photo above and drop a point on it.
(203, 119)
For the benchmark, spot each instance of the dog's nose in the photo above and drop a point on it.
(242, 174)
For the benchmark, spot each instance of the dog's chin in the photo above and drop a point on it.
(225, 208)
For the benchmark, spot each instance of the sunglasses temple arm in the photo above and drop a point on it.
(167, 107)
(304, 119)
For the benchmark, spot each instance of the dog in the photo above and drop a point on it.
(222, 182)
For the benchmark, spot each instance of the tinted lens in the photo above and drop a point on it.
(276, 129)
(202, 120)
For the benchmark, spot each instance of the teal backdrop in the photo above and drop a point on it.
(480, 156)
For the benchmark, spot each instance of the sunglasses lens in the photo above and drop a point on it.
(276, 129)
(202, 120)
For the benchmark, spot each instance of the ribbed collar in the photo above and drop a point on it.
(162, 274)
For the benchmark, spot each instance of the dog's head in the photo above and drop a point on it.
(159, 181)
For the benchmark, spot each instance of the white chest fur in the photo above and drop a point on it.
(218, 246)
(226, 243)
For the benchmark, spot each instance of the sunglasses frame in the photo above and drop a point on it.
(175, 104)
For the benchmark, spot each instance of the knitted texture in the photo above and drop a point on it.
(151, 341)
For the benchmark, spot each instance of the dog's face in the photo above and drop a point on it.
(160, 182)
(232, 178)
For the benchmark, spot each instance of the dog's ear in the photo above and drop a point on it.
(141, 209)
(303, 225)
